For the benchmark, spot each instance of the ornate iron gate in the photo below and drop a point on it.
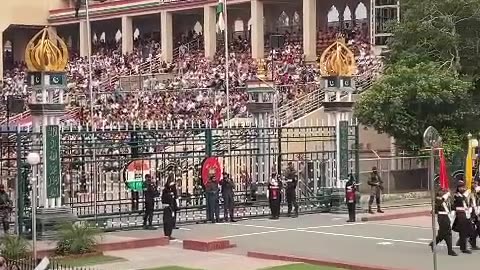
(94, 163)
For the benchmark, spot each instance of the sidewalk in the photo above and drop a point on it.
(174, 255)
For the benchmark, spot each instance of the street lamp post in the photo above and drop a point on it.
(33, 160)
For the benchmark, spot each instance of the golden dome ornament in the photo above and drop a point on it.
(46, 51)
(337, 60)
(261, 68)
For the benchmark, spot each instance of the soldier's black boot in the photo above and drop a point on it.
(370, 210)
(379, 209)
(452, 253)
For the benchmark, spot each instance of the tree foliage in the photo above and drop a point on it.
(405, 101)
(443, 31)
(430, 76)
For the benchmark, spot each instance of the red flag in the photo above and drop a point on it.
(443, 172)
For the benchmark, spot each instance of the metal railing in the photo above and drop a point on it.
(31, 264)
(399, 174)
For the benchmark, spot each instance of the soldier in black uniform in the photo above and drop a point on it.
(170, 206)
(473, 202)
(376, 188)
(5, 209)
(442, 209)
(228, 195)
(151, 192)
(274, 196)
(291, 190)
(461, 224)
(211, 192)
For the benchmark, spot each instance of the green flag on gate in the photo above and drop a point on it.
(54, 79)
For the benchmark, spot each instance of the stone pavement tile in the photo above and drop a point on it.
(168, 256)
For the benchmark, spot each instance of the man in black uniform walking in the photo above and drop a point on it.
(211, 192)
(291, 192)
(274, 196)
(228, 197)
(461, 224)
(170, 206)
(444, 228)
(473, 203)
(150, 193)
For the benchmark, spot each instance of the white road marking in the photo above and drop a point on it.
(184, 229)
(256, 233)
(337, 218)
(275, 230)
(424, 239)
(399, 226)
(177, 241)
(385, 243)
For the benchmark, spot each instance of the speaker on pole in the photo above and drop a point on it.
(15, 104)
(277, 41)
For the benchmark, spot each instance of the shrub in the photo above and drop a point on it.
(77, 238)
(14, 247)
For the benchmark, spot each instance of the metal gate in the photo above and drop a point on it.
(94, 163)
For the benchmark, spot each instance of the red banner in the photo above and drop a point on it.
(211, 164)
(443, 172)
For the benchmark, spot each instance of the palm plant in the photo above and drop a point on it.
(77, 238)
(14, 247)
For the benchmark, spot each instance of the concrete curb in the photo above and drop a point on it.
(207, 245)
(122, 245)
(396, 216)
(321, 262)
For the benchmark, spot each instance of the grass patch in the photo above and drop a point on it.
(89, 260)
(170, 268)
(301, 266)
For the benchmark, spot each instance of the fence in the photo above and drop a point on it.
(94, 167)
(31, 264)
(399, 174)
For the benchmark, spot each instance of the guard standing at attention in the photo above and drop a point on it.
(442, 209)
(5, 209)
(274, 196)
(170, 206)
(462, 220)
(228, 194)
(211, 192)
(351, 197)
(376, 187)
(151, 192)
(291, 190)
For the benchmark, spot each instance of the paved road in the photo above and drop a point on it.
(326, 236)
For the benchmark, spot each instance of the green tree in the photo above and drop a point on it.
(443, 31)
(406, 100)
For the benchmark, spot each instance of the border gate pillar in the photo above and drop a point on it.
(47, 81)
(261, 104)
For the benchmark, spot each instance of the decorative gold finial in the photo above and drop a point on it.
(337, 60)
(46, 52)
(261, 69)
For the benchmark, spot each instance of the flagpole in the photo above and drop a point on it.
(227, 81)
(90, 89)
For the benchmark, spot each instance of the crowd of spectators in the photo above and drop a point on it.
(197, 91)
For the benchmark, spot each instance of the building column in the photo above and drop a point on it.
(166, 36)
(1, 55)
(83, 39)
(258, 43)
(127, 35)
(209, 31)
(310, 29)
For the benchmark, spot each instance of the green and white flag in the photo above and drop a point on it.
(220, 16)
